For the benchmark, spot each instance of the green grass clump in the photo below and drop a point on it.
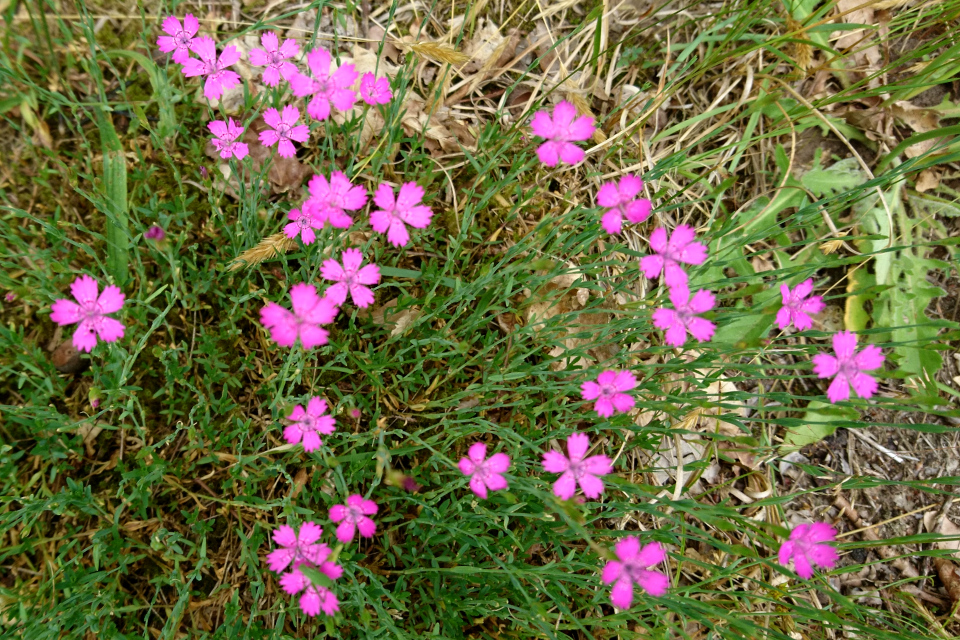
(149, 514)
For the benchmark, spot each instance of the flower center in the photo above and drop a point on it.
(283, 130)
(181, 40)
(274, 58)
(353, 513)
(607, 390)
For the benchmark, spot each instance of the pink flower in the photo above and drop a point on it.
(273, 56)
(682, 318)
(632, 568)
(375, 90)
(680, 248)
(354, 516)
(808, 547)
(609, 392)
(325, 87)
(10, 297)
(155, 233)
(484, 473)
(179, 39)
(308, 425)
(561, 132)
(392, 214)
(350, 277)
(798, 306)
(621, 202)
(219, 79)
(316, 598)
(305, 222)
(577, 470)
(309, 312)
(226, 139)
(296, 548)
(284, 130)
(335, 197)
(848, 367)
(90, 311)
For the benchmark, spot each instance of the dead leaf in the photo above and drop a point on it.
(947, 570)
(865, 58)
(483, 47)
(386, 316)
(928, 180)
(89, 433)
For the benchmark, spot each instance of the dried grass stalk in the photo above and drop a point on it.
(275, 245)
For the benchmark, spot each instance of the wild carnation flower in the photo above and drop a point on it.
(274, 56)
(682, 318)
(576, 470)
(375, 90)
(305, 222)
(219, 79)
(632, 567)
(179, 39)
(335, 197)
(354, 515)
(325, 87)
(848, 367)
(90, 311)
(296, 548)
(561, 131)
(621, 202)
(392, 214)
(226, 139)
(609, 390)
(285, 129)
(669, 254)
(316, 598)
(484, 473)
(350, 277)
(155, 233)
(808, 548)
(308, 425)
(309, 312)
(798, 306)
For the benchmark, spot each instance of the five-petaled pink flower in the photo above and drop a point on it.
(577, 470)
(155, 233)
(309, 312)
(392, 214)
(561, 131)
(180, 37)
(632, 567)
(808, 547)
(683, 317)
(325, 87)
(285, 129)
(297, 547)
(621, 201)
(305, 222)
(274, 56)
(848, 366)
(350, 277)
(609, 392)
(90, 311)
(485, 473)
(316, 598)
(308, 424)
(226, 139)
(335, 197)
(681, 247)
(219, 78)
(354, 515)
(375, 90)
(798, 306)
